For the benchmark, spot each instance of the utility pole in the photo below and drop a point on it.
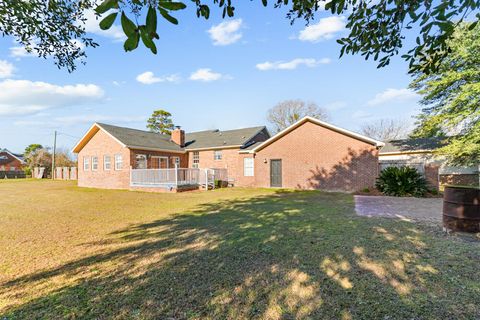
(53, 154)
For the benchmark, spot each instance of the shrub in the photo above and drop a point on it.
(401, 182)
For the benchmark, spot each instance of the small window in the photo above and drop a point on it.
(196, 159)
(141, 161)
(94, 163)
(86, 163)
(118, 162)
(12, 168)
(217, 155)
(107, 163)
(248, 168)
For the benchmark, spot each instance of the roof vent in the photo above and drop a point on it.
(215, 130)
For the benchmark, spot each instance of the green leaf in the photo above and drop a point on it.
(107, 22)
(168, 17)
(106, 5)
(132, 42)
(147, 41)
(169, 5)
(128, 26)
(151, 21)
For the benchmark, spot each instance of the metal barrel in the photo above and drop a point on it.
(461, 209)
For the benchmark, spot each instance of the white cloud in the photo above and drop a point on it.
(6, 69)
(325, 29)
(392, 95)
(207, 75)
(149, 78)
(20, 97)
(92, 26)
(226, 32)
(290, 65)
(19, 52)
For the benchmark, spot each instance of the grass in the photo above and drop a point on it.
(72, 253)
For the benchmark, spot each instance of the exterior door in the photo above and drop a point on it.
(159, 162)
(276, 173)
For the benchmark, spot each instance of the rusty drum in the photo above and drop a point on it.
(461, 209)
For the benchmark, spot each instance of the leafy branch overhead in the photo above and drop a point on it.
(377, 28)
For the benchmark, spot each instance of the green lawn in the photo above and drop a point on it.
(73, 253)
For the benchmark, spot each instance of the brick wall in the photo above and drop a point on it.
(102, 144)
(10, 162)
(229, 161)
(459, 179)
(431, 174)
(314, 157)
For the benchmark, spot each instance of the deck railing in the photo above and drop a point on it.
(177, 177)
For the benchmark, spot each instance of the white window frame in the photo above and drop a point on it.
(217, 155)
(105, 162)
(94, 163)
(118, 162)
(86, 163)
(195, 159)
(248, 168)
(144, 160)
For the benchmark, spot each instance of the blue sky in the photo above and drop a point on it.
(207, 74)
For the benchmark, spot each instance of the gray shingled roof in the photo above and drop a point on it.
(141, 138)
(218, 138)
(416, 144)
(195, 140)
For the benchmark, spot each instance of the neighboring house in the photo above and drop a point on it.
(420, 154)
(310, 154)
(10, 161)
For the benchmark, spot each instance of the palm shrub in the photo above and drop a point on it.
(401, 181)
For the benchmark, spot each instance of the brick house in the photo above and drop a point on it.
(310, 154)
(10, 161)
(420, 153)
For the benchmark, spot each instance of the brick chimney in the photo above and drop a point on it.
(178, 136)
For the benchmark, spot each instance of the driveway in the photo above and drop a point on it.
(426, 209)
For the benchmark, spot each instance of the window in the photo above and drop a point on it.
(12, 168)
(217, 155)
(86, 163)
(196, 159)
(248, 167)
(94, 163)
(141, 161)
(118, 162)
(107, 163)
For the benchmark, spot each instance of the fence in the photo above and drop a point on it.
(12, 174)
(178, 177)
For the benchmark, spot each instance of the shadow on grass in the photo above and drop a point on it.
(290, 255)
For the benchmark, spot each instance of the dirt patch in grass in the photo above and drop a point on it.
(67, 252)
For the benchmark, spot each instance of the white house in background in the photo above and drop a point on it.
(420, 154)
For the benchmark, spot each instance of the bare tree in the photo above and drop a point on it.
(288, 112)
(386, 129)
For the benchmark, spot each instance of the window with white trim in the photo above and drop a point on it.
(141, 161)
(107, 162)
(118, 162)
(217, 155)
(94, 163)
(12, 168)
(248, 167)
(86, 163)
(196, 159)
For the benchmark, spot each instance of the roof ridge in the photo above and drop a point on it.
(145, 131)
(215, 130)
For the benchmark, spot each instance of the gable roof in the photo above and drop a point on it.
(218, 139)
(131, 138)
(17, 156)
(413, 145)
(320, 123)
(140, 139)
